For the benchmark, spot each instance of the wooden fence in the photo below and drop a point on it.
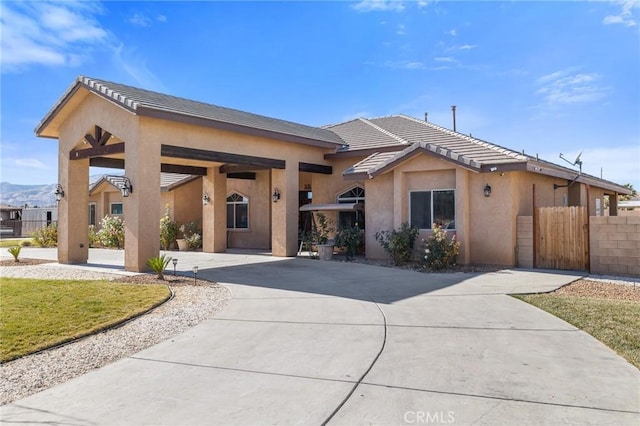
(561, 238)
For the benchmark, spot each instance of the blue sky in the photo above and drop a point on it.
(546, 77)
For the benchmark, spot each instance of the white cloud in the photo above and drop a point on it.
(161, 18)
(140, 20)
(422, 4)
(567, 87)
(48, 33)
(32, 163)
(407, 65)
(452, 32)
(136, 67)
(625, 17)
(400, 30)
(378, 5)
(444, 59)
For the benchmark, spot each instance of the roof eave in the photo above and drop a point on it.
(57, 107)
(147, 111)
(546, 169)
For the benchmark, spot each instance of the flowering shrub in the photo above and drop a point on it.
(349, 239)
(47, 236)
(94, 241)
(168, 229)
(192, 234)
(438, 251)
(111, 233)
(398, 243)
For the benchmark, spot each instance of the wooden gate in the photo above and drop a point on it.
(561, 238)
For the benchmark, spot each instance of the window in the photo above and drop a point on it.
(429, 207)
(116, 208)
(237, 211)
(92, 214)
(355, 218)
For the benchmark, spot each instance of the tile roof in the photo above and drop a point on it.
(168, 181)
(363, 134)
(145, 102)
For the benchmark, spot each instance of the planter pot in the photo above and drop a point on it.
(182, 244)
(325, 251)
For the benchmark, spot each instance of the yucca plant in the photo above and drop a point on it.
(158, 264)
(15, 252)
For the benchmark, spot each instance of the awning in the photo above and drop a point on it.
(341, 207)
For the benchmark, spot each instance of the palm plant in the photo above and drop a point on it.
(15, 252)
(158, 264)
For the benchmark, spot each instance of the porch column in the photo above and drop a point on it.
(141, 208)
(214, 214)
(284, 212)
(462, 215)
(73, 217)
(613, 204)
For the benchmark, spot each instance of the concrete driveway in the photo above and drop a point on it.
(310, 342)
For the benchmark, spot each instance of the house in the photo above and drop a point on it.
(255, 173)
(10, 221)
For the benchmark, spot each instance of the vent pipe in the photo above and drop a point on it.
(453, 112)
(426, 115)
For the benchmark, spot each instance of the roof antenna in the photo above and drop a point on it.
(453, 112)
(576, 162)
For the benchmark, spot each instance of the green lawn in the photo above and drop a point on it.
(37, 314)
(12, 243)
(614, 322)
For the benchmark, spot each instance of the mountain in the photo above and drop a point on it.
(32, 195)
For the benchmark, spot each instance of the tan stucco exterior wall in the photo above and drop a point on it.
(258, 236)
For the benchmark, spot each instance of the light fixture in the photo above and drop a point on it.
(276, 195)
(126, 188)
(195, 273)
(487, 190)
(59, 192)
(175, 262)
(205, 199)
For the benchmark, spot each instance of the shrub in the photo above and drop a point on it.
(398, 243)
(349, 239)
(15, 252)
(438, 251)
(158, 264)
(111, 233)
(94, 240)
(168, 229)
(47, 236)
(192, 234)
(26, 243)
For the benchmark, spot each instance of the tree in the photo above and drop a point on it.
(633, 195)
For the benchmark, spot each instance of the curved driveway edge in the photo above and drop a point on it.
(298, 335)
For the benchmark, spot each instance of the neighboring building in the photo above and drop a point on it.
(10, 221)
(37, 217)
(255, 172)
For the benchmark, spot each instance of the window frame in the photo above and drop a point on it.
(111, 213)
(95, 213)
(350, 200)
(235, 203)
(431, 191)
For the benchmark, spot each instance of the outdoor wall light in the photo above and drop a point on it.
(276, 195)
(487, 190)
(175, 262)
(195, 273)
(205, 199)
(59, 192)
(127, 188)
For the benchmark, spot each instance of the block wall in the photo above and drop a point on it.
(615, 245)
(524, 241)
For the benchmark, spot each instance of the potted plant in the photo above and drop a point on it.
(192, 236)
(321, 235)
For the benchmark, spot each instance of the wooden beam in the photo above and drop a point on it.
(219, 157)
(239, 168)
(109, 163)
(243, 175)
(99, 137)
(315, 168)
(185, 170)
(116, 148)
(118, 163)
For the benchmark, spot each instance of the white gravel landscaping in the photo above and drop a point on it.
(190, 305)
